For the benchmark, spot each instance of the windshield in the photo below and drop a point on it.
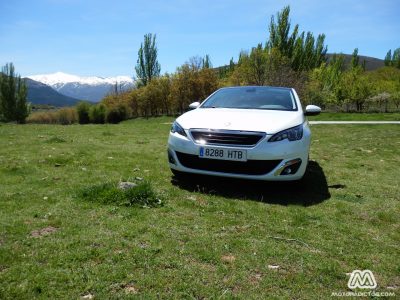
(270, 98)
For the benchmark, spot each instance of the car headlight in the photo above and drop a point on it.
(292, 134)
(178, 129)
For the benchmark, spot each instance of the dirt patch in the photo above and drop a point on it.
(201, 265)
(255, 278)
(228, 258)
(44, 231)
(131, 289)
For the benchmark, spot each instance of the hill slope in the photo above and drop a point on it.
(371, 63)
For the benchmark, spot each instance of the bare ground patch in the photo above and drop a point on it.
(44, 231)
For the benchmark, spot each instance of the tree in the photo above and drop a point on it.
(388, 58)
(355, 59)
(207, 62)
(303, 50)
(323, 87)
(191, 84)
(97, 113)
(117, 114)
(13, 94)
(8, 92)
(279, 33)
(195, 62)
(147, 66)
(396, 58)
(231, 65)
(257, 66)
(83, 112)
(355, 87)
(393, 60)
(22, 109)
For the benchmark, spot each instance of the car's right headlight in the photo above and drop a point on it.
(292, 134)
(178, 129)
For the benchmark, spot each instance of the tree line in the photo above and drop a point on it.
(288, 58)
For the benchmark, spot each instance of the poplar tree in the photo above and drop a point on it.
(22, 108)
(355, 59)
(147, 66)
(13, 94)
(388, 58)
(304, 51)
(396, 58)
(8, 92)
(207, 62)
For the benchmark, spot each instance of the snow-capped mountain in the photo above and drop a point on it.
(40, 93)
(91, 88)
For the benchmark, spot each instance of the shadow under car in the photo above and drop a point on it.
(310, 190)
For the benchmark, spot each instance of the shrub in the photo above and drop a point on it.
(117, 114)
(42, 117)
(109, 193)
(67, 116)
(83, 112)
(64, 116)
(97, 114)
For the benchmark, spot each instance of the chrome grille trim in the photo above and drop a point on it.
(220, 137)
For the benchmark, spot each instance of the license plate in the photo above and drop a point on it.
(223, 153)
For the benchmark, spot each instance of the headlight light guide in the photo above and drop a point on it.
(291, 134)
(178, 129)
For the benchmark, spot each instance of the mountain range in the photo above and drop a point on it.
(91, 88)
(40, 93)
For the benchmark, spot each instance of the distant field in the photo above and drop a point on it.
(326, 116)
(212, 238)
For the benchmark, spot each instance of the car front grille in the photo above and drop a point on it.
(226, 137)
(250, 167)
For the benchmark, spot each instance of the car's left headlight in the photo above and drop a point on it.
(178, 129)
(292, 134)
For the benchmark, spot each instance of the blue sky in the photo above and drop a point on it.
(102, 37)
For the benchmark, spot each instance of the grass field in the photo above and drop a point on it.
(211, 238)
(327, 116)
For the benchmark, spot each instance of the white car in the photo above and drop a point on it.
(253, 132)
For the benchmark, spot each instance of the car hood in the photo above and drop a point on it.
(269, 121)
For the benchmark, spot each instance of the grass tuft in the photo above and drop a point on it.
(55, 139)
(108, 193)
(108, 133)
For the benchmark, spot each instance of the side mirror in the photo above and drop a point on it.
(194, 105)
(312, 110)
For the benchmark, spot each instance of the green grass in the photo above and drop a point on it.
(211, 238)
(327, 116)
(142, 194)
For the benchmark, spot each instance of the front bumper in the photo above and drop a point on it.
(266, 161)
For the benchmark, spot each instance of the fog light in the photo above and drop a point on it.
(289, 168)
(286, 171)
(171, 157)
